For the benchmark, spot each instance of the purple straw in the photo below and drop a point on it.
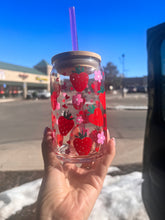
(73, 28)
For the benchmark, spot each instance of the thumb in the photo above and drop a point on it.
(48, 145)
(106, 160)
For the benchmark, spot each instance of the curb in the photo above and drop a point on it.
(117, 107)
(10, 100)
(7, 100)
(123, 107)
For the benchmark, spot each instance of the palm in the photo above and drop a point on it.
(69, 190)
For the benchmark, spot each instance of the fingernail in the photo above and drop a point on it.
(53, 134)
(108, 134)
(114, 140)
(45, 130)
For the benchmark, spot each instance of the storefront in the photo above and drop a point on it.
(17, 80)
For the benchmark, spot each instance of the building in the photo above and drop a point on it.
(134, 81)
(16, 80)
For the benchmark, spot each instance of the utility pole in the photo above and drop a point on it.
(123, 70)
(123, 63)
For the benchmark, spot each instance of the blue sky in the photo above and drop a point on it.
(34, 30)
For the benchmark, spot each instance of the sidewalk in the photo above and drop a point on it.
(21, 156)
(112, 102)
(2, 100)
(27, 155)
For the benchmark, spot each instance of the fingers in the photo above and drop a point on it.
(48, 145)
(103, 164)
(108, 135)
(100, 165)
(110, 152)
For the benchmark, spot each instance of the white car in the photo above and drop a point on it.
(43, 94)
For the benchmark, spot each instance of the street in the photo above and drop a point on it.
(126, 123)
(22, 124)
(26, 120)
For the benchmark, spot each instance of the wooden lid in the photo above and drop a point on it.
(77, 54)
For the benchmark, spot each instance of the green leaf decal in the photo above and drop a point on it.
(78, 70)
(101, 90)
(91, 109)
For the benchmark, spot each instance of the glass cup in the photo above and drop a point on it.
(78, 106)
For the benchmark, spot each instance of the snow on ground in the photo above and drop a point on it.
(15, 199)
(119, 199)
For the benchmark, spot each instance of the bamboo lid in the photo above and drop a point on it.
(77, 54)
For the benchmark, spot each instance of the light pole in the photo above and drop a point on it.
(123, 69)
(123, 63)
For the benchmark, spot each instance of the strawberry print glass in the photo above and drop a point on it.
(78, 106)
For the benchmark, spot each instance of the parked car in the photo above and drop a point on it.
(40, 94)
(43, 94)
(30, 94)
(142, 89)
(132, 89)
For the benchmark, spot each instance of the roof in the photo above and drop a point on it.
(42, 63)
(9, 66)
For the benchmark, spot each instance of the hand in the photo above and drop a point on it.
(69, 192)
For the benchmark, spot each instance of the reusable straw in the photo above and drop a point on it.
(73, 28)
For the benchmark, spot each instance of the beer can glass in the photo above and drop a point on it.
(78, 106)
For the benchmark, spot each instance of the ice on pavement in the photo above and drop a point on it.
(120, 198)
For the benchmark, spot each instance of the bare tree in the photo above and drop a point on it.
(112, 76)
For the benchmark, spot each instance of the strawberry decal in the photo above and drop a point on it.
(78, 101)
(56, 89)
(102, 97)
(65, 123)
(85, 116)
(79, 79)
(53, 120)
(93, 135)
(105, 122)
(95, 116)
(96, 86)
(82, 144)
(59, 139)
(54, 100)
(55, 94)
